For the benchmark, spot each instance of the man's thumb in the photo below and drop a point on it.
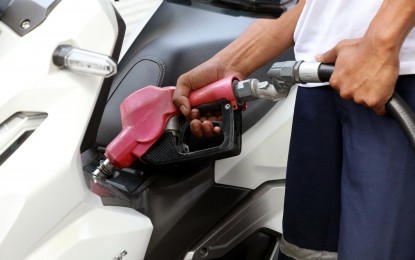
(327, 57)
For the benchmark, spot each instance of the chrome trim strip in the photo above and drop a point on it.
(17, 126)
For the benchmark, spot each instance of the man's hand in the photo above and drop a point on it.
(203, 75)
(367, 68)
(365, 71)
(202, 125)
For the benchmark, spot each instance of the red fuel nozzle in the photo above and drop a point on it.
(222, 89)
(144, 115)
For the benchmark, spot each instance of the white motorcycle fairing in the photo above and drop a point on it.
(47, 210)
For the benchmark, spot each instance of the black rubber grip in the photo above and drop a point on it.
(396, 105)
(190, 149)
(325, 71)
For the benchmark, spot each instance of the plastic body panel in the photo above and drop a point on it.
(264, 152)
(25, 15)
(183, 203)
(47, 210)
(260, 210)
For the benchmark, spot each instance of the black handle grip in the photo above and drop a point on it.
(325, 71)
(186, 148)
(396, 105)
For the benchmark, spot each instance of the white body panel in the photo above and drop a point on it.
(47, 210)
(264, 149)
(136, 14)
(263, 157)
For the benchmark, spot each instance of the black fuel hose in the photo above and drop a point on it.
(396, 105)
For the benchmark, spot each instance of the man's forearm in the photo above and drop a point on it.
(261, 42)
(392, 23)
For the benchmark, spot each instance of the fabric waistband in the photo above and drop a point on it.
(299, 253)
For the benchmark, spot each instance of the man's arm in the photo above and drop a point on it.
(261, 42)
(367, 68)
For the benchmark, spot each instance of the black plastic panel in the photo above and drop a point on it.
(3, 6)
(29, 12)
(183, 205)
(190, 149)
(251, 215)
(259, 246)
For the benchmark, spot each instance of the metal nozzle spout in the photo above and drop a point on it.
(104, 171)
(254, 89)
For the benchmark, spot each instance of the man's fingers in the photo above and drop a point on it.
(207, 127)
(181, 101)
(194, 114)
(201, 124)
(327, 57)
(183, 104)
(380, 110)
(180, 96)
(204, 129)
(330, 56)
(196, 128)
(217, 130)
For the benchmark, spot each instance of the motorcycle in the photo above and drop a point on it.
(66, 71)
(55, 124)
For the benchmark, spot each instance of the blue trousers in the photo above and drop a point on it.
(351, 178)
